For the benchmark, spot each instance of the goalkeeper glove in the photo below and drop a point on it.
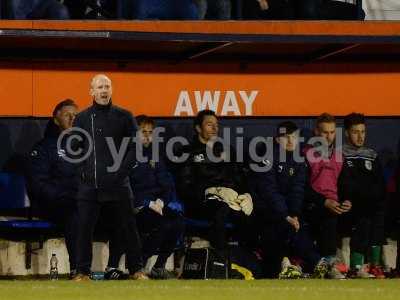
(246, 203)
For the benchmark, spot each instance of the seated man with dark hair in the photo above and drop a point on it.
(279, 188)
(159, 213)
(53, 181)
(362, 182)
(211, 182)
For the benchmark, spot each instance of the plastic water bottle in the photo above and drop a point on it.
(53, 267)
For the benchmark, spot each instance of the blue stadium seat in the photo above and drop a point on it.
(26, 224)
(14, 201)
(202, 224)
(12, 191)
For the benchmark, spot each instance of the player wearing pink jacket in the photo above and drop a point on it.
(322, 206)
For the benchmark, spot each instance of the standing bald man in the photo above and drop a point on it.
(104, 181)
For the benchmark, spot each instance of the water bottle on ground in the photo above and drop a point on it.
(53, 267)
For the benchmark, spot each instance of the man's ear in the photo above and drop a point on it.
(91, 92)
(198, 129)
(346, 134)
(56, 121)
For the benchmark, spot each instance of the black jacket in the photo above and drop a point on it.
(52, 180)
(199, 173)
(106, 126)
(361, 180)
(279, 192)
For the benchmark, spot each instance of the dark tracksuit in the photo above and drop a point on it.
(104, 188)
(361, 182)
(199, 173)
(322, 181)
(279, 193)
(52, 185)
(151, 181)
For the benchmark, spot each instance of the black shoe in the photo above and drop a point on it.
(162, 273)
(72, 274)
(114, 274)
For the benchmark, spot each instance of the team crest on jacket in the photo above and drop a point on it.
(280, 168)
(199, 158)
(291, 171)
(152, 163)
(34, 153)
(61, 153)
(266, 162)
(349, 163)
(368, 165)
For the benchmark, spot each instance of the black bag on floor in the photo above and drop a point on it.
(205, 263)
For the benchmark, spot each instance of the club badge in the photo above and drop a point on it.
(61, 153)
(198, 158)
(291, 172)
(152, 163)
(266, 162)
(368, 165)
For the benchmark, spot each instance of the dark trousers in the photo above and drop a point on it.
(364, 230)
(65, 217)
(323, 228)
(220, 214)
(120, 214)
(279, 239)
(159, 236)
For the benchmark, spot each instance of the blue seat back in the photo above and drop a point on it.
(12, 191)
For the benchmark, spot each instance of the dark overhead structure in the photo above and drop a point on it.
(177, 42)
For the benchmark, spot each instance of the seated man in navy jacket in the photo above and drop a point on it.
(159, 214)
(279, 195)
(53, 181)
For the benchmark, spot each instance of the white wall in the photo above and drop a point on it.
(12, 258)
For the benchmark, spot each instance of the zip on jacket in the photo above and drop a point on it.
(94, 151)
